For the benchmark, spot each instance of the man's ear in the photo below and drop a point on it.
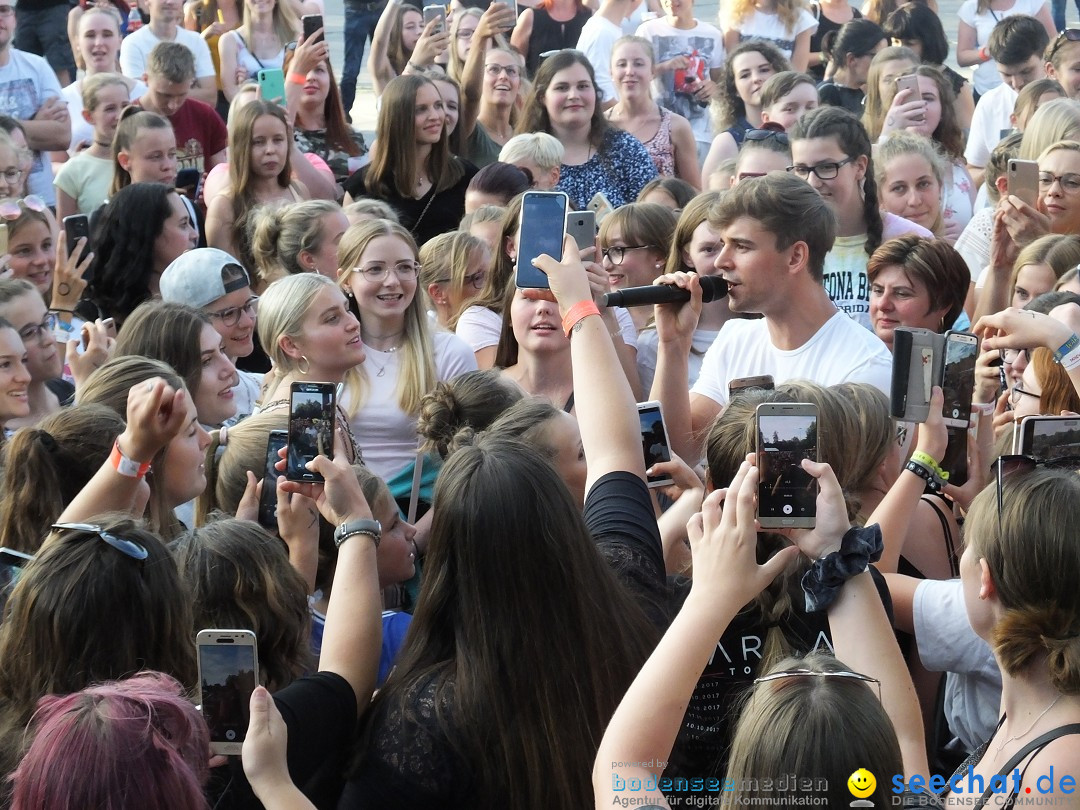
(798, 257)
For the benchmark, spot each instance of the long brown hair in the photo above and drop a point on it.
(535, 118)
(338, 131)
(393, 156)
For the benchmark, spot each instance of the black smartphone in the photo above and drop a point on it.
(1050, 437)
(312, 413)
(787, 494)
(958, 377)
(654, 440)
(311, 23)
(763, 382)
(228, 674)
(76, 227)
(582, 226)
(540, 230)
(955, 462)
(917, 363)
(268, 499)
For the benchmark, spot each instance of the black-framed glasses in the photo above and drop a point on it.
(768, 134)
(1010, 465)
(35, 330)
(1017, 392)
(813, 673)
(1010, 356)
(476, 280)
(1068, 35)
(616, 254)
(126, 547)
(230, 316)
(824, 171)
(12, 209)
(379, 272)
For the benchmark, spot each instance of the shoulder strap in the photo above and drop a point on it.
(1023, 753)
(950, 548)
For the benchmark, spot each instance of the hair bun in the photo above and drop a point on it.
(440, 417)
(1025, 634)
(466, 437)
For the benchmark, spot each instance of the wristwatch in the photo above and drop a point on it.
(372, 528)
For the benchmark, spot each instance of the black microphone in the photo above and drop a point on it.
(712, 287)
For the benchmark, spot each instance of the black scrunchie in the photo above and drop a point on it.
(47, 441)
(823, 580)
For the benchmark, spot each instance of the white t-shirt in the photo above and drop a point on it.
(135, 49)
(974, 243)
(626, 326)
(82, 131)
(703, 41)
(27, 82)
(646, 355)
(948, 644)
(598, 37)
(845, 276)
(991, 118)
(985, 77)
(840, 351)
(386, 434)
(760, 25)
(479, 327)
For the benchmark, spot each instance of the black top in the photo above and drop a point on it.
(836, 95)
(955, 79)
(320, 713)
(552, 35)
(444, 209)
(410, 764)
(825, 25)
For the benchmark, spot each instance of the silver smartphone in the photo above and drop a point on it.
(787, 494)
(582, 226)
(654, 440)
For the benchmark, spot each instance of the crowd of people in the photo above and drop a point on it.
(482, 597)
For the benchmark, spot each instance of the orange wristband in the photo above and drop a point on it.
(126, 466)
(296, 78)
(580, 310)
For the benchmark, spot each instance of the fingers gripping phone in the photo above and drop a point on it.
(435, 13)
(654, 440)
(76, 227)
(1023, 179)
(541, 229)
(312, 415)
(787, 494)
(268, 499)
(909, 82)
(228, 674)
(311, 23)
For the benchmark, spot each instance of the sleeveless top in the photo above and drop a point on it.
(825, 25)
(738, 130)
(552, 35)
(660, 148)
(253, 64)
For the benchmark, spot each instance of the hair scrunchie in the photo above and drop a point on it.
(223, 435)
(823, 580)
(47, 441)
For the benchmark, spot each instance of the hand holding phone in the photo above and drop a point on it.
(541, 228)
(1023, 180)
(787, 494)
(436, 12)
(312, 419)
(654, 441)
(228, 674)
(277, 440)
(312, 23)
(272, 85)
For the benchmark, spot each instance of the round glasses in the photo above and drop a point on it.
(231, 315)
(1017, 392)
(379, 272)
(616, 254)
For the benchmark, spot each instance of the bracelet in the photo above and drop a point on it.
(1071, 360)
(1067, 348)
(933, 482)
(928, 461)
(985, 408)
(372, 528)
(296, 78)
(983, 55)
(822, 581)
(127, 467)
(578, 312)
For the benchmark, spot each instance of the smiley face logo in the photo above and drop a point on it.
(861, 783)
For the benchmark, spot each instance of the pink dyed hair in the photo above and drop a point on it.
(138, 737)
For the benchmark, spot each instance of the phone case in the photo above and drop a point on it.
(582, 226)
(908, 83)
(435, 13)
(526, 276)
(1023, 180)
(600, 205)
(272, 85)
(961, 415)
(311, 23)
(918, 355)
(215, 706)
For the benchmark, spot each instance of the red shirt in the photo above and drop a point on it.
(200, 133)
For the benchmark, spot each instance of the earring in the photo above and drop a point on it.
(306, 367)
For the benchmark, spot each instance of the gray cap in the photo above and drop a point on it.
(201, 276)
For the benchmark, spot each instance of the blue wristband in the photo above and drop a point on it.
(1067, 347)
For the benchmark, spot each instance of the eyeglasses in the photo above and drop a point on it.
(7, 11)
(768, 134)
(616, 254)
(1070, 183)
(1008, 465)
(465, 33)
(1068, 35)
(127, 547)
(231, 315)
(494, 70)
(1010, 356)
(824, 171)
(379, 272)
(11, 176)
(36, 330)
(811, 673)
(12, 209)
(1017, 392)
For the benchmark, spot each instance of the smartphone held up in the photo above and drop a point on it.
(787, 433)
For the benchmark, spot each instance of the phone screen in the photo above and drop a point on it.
(1047, 439)
(226, 680)
(654, 441)
(786, 492)
(543, 223)
(958, 378)
(311, 428)
(268, 499)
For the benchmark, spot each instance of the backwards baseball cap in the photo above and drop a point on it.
(201, 276)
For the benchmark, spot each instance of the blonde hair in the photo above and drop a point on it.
(875, 106)
(1058, 251)
(92, 85)
(417, 373)
(446, 258)
(1054, 121)
(786, 10)
(370, 207)
(902, 143)
(545, 150)
(280, 234)
(1027, 100)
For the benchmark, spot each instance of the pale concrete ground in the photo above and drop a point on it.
(363, 111)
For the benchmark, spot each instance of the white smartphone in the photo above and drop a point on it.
(654, 440)
(787, 494)
(228, 674)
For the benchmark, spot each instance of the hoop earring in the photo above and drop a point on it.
(305, 368)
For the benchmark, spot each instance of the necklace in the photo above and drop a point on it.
(1029, 728)
(382, 368)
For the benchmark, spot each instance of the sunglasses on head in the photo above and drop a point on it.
(128, 548)
(1015, 464)
(1068, 35)
(767, 134)
(811, 673)
(12, 209)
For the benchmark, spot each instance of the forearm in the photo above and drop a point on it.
(320, 185)
(47, 135)
(672, 525)
(472, 86)
(864, 641)
(205, 90)
(894, 515)
(282, 795)
(671, 386)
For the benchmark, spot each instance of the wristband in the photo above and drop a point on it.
(925, 459)
(933, 482)
(1067, 348)
(127, 467)
(985, 408)
(1071, 360)
(578, 312)
(822, 581)
(983, 55)
(296, 78)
